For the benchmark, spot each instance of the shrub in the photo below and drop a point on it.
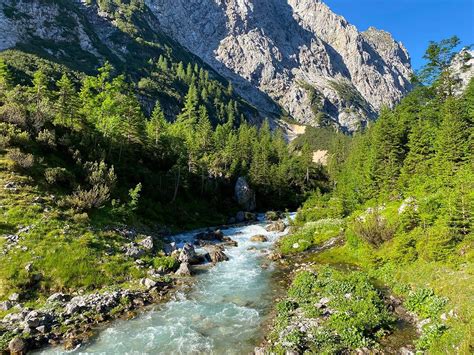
(84, 200)
(374, 229)
(47, 138)
(81, 218)
(21, 160)
(99, 174)
(57, 176)
(168, 263)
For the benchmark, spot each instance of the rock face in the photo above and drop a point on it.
(463, 70)
(296, 52)
(244, 195)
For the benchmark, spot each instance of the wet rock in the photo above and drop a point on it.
(210, 235)
(232, 220)
(244, 195)
(216, 254)
(277, 226)
(188, 254)
(169, 248)
(184, 270)
(259, 238)
(17, 346)
(240, 217)
(229, 242)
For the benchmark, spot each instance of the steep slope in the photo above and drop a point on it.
(298, 52)
(82, 35)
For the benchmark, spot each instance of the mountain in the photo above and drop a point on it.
(297, 52)
(292, 54)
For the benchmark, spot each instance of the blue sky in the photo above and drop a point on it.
(413, 22)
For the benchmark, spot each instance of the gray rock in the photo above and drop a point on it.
(14, 297)
(5, 305)
(58, 297)
(134, 251)
(29, 267)
(188, 254)
(244, 195)
(184, 270)
(17, 346)
(148, 283)
(215, 254)
(147, 243)
(41, 329)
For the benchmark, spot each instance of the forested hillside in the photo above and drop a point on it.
(402, 213)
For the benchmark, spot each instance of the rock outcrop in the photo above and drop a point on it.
(296, 52)
(244, 195)
(463, 70)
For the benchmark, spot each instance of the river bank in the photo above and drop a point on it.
(75, 320)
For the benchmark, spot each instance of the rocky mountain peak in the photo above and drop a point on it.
(297, 53)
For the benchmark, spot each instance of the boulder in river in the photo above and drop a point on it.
(184, 270)
(215, 254)
(188, 254)
(210, 235)
(259, 239)
(244, 195)
(17, 346)
(277, 226)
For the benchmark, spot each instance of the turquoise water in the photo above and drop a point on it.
(222, 313)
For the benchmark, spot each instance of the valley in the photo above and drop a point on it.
(151, 153)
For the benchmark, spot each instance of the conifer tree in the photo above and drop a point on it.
(66, 104)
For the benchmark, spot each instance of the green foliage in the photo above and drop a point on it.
(167, 263)
(357, 312)
(312, 234)
(425, 303)
(430, 335)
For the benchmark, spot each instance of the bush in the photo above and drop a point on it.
(168, 263)
(85, 200)
(21, 161)
(374, 229)
(57, 176)
(47, 138)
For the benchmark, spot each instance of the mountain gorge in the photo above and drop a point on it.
(292, 57)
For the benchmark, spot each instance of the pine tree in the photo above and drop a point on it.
(66, 104)
(156, 126)
(6, 81)
(453, 140)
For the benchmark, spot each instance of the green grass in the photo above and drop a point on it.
(310, 235)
